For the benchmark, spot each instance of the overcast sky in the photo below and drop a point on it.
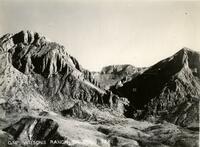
(104, 32)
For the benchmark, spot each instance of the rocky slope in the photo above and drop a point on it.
(17, 90)
(170, 88)
(42, 71)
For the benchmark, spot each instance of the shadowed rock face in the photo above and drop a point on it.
(35, 129)
(5, 138)
(33, 53)
(165, 85)
(55, 75)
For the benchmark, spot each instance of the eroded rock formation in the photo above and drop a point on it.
(55, 77)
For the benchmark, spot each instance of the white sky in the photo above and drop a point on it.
(104, 32)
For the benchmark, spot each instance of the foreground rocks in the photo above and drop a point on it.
(55, 130)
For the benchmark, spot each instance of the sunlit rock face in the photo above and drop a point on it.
(56, 79)
(171, 86)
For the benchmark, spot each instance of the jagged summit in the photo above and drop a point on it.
(32, 52)
(24, 37)
(45, 57)
(27, 37)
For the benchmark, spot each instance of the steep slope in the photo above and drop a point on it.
(16, 89)
(52, 73)
(116, 74)
(165, 86)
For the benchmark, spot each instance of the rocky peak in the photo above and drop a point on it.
(183, 59)
(188, 57)
(165, 85)
(55, 75)
(26, 37)
(188, 61)
(33, 53)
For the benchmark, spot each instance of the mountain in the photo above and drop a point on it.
(169, 88)
(47, 99)
(39, 74)
(116, 74)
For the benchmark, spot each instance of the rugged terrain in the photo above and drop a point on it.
(37, 70)
(169, 89)
(48, 99)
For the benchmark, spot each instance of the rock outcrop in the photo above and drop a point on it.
(38, 130)
(57, 131)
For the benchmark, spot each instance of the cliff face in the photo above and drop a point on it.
(162, 88)
(52, 74)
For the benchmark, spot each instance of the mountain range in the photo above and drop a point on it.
(47, 96)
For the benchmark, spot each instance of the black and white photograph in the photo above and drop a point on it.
(99, 73)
